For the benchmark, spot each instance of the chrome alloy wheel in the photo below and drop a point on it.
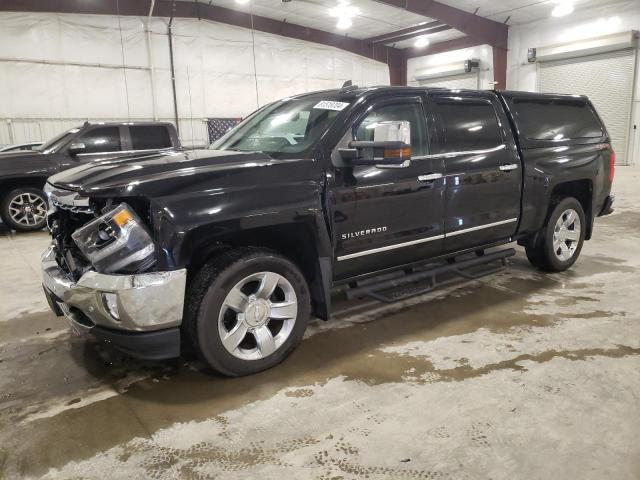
(257, 315)
(27, 209)
(566, 235)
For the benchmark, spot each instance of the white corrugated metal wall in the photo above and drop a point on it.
(465, 80)
(58, 70)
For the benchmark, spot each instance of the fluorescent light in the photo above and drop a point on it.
(242, 2)
(344, 12)
(422, 41)
(562, 9)
(344, 23)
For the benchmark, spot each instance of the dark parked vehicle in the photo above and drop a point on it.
(23, 205)
(232, 249)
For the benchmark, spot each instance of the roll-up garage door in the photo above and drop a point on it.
(607, 79)
(460, 81)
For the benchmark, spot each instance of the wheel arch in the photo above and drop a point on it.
(300, 242)
(581, 190)
(8, 184)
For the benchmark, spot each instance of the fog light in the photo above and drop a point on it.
(110, 301)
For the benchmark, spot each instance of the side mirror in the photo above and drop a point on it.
(76, 148)
(390, 148)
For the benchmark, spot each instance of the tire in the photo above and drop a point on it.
(24, 209)
(560, 240)
(26, 198)
(246, 339)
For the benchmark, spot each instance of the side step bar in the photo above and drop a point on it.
(401, 287)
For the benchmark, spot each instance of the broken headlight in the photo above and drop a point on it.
(116, 242)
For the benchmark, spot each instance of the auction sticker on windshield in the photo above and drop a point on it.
(329, 105)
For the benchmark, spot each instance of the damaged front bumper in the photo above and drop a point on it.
(140, 314)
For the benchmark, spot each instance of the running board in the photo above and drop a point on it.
(410, 283)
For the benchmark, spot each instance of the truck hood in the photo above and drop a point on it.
(19, 154)
(6, 157)
(156, 174)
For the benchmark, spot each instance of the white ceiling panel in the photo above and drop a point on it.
(373, 19)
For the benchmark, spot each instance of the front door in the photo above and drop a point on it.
(386, 217)
(482, 168)
(101, 143)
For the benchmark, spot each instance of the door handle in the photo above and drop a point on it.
(507, 167)
(430, 177)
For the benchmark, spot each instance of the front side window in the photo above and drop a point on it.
(469, 124)
(100, 140)
(411, 112)
(287, 127)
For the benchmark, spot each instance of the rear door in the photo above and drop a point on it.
(482, 168)
(387, 217)
(148, 137)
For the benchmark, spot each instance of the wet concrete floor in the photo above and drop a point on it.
(517, 375)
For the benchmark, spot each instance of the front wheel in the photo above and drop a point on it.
(560, 240)
(247, 310)
(24, 209)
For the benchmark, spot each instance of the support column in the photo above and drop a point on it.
(397, 63)
(500, 68)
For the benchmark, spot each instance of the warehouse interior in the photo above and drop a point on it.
(521, 374)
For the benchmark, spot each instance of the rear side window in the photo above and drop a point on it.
(148, 137)
(101, 140)
(469, 124)
(556, 120)
(411, 112)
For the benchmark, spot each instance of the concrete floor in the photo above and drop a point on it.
(520, 375)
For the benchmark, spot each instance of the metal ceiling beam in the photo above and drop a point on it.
(165, 8)
(411, 32)
(441, 47)
(479, 28)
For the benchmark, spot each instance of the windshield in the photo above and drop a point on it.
(290, 126)
(57, 141)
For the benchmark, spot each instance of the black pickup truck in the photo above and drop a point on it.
(230, 250)
(23, 205)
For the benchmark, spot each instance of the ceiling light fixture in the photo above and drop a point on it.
(242, 2)
(562, 9)
(422, 41)
(344, 12)
(344, 23)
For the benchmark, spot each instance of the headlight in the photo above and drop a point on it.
(116, 242)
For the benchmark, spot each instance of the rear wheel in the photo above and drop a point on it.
(24, 209)
(247, 310)
(561, 238)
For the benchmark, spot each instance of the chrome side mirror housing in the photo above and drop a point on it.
(76, 148)
(390, 147)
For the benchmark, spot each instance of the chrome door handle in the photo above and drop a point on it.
(508, 167)
(429, 177)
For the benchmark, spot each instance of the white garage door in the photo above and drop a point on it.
(455, 82)
(607, 79)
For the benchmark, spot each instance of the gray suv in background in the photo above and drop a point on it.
(23, 204)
